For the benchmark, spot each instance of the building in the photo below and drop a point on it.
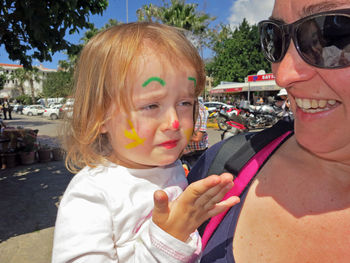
(12, 87)
(254, 86)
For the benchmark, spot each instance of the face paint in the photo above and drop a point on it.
(188, 134)
(162, 82)
(133, 136)
(194, 80)
(176, 124)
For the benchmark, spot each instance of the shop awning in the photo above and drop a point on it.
(268, 85)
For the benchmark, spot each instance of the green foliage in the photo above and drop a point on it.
(58, 84)
(237, 54)
(29, 141)
(31, 75)
(24, 99)
(179, 14)
(3, 79)
(41, 26)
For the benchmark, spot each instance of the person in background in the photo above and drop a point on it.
(287, 114)
(297, 206)
(199, 141)
(6, 108)
(129, 201)
(260, 100)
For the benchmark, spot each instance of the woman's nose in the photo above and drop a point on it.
(292, 68)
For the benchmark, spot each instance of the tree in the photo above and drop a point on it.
(19, 77)
(3, 79)
(58, 84)
(30, 75)
(36, 29)
(237, 53)
(179, 14)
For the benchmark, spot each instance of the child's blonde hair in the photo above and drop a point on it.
(100, 81)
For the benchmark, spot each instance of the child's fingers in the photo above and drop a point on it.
(161, 207)
(200, 187)
(224, 205)
(209, 201)
(215, 194)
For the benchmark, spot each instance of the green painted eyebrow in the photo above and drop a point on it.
(194, 80)
(162, 82)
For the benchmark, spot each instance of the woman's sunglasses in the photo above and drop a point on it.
(322, 40)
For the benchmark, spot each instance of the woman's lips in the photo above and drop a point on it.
(169, 144)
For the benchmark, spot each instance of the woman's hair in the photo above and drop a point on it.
(104, 66)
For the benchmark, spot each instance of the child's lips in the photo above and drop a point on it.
(169, 144)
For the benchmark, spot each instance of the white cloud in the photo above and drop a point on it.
(252, 10)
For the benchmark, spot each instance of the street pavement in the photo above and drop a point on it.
(29, 198)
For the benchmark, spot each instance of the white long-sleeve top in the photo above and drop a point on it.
(105, 216)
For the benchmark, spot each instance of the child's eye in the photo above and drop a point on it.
(186, 103)
(150, 107)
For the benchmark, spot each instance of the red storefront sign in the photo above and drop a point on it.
(264, 77)
(228, 90)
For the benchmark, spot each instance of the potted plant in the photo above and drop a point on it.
(10, 159)
(28, 147)
(57, 154)
(44, 153)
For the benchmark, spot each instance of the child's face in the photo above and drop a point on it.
(161, 124)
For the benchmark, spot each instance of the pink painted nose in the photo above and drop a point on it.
(176, 124)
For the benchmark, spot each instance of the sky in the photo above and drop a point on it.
(226, 12)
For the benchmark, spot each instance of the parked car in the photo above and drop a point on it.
(18, 108)
(215, 105)
(54, 104)
(68, 110)
(54, 112)
(33, 110)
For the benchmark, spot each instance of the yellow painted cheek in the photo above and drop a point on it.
(132, 135)
(188, 134)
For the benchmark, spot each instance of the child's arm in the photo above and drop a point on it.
(200, 201)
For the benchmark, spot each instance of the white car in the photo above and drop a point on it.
(54, 112)
(33, 110)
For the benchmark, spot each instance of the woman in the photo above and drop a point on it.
(297, 209)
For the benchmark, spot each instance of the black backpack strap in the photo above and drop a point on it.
(229, 147)
(237, 150)
(240, 157)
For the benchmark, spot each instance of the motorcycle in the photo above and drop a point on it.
(263, 116)
(232, 119)
(213, 114)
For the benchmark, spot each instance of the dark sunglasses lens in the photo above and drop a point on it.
(324, 41)
(271, 41)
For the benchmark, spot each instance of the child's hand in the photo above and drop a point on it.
(199, 201)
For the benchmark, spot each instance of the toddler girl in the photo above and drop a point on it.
(135, 94)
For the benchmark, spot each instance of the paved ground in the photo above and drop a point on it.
(29, 196)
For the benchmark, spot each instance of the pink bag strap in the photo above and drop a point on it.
(240, 183)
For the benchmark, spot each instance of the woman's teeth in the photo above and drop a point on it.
(313, 105)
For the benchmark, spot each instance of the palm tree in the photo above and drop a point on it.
(18, 77)
(179, 14)
(31, 75)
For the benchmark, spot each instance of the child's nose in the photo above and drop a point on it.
(171, 121)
